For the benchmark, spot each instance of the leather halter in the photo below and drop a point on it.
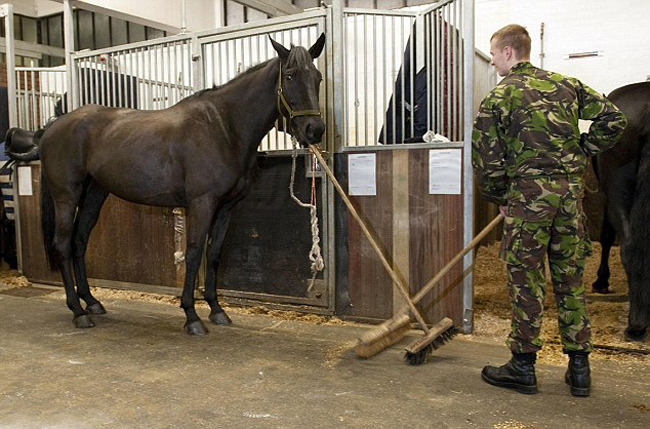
(291, 112)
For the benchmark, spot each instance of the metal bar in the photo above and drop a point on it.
(25, 97)
(68, 35)
(403, 79)
(414, 65)
(439, 72)
(345, 35)
(437, 6)
(393, 85)
(383, 90)
(375, 110)
(133, 78)
(384, 12)
(365, 81)
(8, 14)
(356, 81)
(35, 122)
(468, 180)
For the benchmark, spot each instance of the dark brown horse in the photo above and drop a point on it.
(624, 176)
(197, 154)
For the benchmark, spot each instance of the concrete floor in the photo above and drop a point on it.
(137, 368)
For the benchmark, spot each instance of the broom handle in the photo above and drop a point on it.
(398, 284)
(481, 235)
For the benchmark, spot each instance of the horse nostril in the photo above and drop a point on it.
(318, 131)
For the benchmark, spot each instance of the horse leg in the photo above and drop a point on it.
(65, 208)
(89, 210)
(637, 258)
(607, 237)
(217, 315)
(199, 216)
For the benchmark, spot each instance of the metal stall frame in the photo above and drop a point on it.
(332, 20)
(7, 12)
(196, 54)
(457, 110)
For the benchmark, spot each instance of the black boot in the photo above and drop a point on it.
(517, 374)
(578, 375)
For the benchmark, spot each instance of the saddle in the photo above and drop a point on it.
(22, 145)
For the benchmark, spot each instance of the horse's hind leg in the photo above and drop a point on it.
(607, 237)
(217, 315)
(89, 209)
(65, 207)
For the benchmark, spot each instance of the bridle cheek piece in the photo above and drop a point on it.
(283, 100)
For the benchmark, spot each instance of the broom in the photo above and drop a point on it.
(398, 283)
(394, 329)
(382, 336)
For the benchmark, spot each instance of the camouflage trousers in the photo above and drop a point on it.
(546, 217)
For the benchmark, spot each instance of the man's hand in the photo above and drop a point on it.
(503, 210)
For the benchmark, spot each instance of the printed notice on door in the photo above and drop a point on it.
(361, 174)
(25, 181)
(445, 171)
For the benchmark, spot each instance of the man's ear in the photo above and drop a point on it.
(281, 50)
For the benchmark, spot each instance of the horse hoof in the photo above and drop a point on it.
(96, 308)
(598, 287)
(603, 291)
(83, 321)
(636, 334)
(220, 318)
(196, 328)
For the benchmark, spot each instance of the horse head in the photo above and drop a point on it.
(298, 90)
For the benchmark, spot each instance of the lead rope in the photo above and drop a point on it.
(315, 257)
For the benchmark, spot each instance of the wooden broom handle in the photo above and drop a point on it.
(481, 235)
(401, 287)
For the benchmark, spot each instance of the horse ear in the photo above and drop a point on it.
(316, 50)
(281, 50)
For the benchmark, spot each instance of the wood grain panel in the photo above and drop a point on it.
(370, 287)
(436, 229)
(133, 243)
(33, 253)
(130, 243)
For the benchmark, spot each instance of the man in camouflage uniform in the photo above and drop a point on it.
(529, 158)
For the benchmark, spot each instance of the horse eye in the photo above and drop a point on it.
(289, 77)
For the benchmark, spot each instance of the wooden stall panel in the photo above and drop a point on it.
(131, 243)
(34, 262)
(369, 286)
(134, 243)
(436, 230)
(419, 232)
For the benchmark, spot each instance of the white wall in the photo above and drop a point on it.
(619, 29)
(201, 14)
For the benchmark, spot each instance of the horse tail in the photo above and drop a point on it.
(639, 250)
(47, 223)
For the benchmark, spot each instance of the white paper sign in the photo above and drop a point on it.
(445, 171)
(25, 181)
(361, 174)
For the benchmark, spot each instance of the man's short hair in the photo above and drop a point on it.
(516, 37)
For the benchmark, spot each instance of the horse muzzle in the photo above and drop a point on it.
(310, 130)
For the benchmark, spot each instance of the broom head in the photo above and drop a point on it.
(382, 336)
(418, 351)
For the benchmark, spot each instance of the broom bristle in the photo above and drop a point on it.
(382, 337)
(421, 356)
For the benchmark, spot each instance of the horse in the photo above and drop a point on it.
(624, 176)
(197, 154)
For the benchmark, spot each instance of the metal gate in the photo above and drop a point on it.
(367, 51)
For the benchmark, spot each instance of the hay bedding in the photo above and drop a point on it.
(608, 313)
(491, 305)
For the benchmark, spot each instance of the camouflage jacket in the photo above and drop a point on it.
(527, 127)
